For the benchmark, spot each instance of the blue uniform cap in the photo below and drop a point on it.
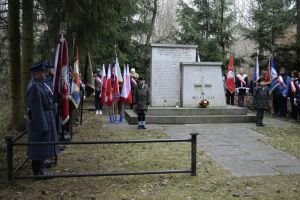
(38, 67)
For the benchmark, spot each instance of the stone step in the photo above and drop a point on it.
(171, 111)
(131, 117)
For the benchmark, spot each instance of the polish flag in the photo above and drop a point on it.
(104, 85)
(124, 87)
(129, 96)
(293, 87)
(108, 87)
(126, 96)
(115, 89)
(64, 81)
(268, 74)
(230, 80)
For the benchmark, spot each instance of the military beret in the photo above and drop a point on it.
(38, 67)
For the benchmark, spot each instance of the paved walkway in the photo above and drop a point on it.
(237, 148)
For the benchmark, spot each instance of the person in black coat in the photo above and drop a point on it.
(296, 95)
(141, 101)
(41, 121)
(261, 98)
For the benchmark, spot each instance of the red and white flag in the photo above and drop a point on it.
(268, 74)
(129, 96)
(64, 82)
(61, 78)
(108, 87)
(126, 90)
(104, 85)
(281, 82)
(124, 86)
(75, 89)
(293, 87)
(118, 72)
(115, 89)
(230, 80)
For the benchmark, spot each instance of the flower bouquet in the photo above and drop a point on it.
(203, 103)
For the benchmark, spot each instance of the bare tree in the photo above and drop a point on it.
(154, 14)
(27, 43)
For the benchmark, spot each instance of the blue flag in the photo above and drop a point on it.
(273, 70)
(256, 71)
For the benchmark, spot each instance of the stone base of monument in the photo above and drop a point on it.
(210, 115)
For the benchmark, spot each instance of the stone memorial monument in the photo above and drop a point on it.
(165, 72)
(201, 80)
(176, 79)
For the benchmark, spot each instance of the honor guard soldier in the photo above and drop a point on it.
(49, 74)
(41, 122)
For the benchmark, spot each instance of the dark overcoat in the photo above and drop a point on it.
(141, 97)
(41, 121)
(261, 97)
(49, 90)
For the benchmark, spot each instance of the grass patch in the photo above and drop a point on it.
(286, 138)
(211, 182)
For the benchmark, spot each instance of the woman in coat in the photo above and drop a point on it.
(261, 99)
(141, 101)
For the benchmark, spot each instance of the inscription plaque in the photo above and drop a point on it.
(165, 72)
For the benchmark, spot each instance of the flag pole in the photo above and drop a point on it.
(62, 31)
(71, 104)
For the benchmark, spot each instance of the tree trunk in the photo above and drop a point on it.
(27, 45)
(150, 32)
(222, 28)
(298, 32)
(16, 120)
(207, 18)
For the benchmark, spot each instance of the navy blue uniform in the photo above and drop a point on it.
(41, 122)
(49, 91)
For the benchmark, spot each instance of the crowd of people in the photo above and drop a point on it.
(140, 96)
(44, 113)
(272, 95)
(45, 124)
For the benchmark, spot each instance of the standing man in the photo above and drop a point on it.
(49, 73)
(296, 95)
(141, 101)
(261, 98)
(41, 121)
(241, 86)
(281, 92)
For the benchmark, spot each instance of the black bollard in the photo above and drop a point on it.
(194, 154)
(9, 158)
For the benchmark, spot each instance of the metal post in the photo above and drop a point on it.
(9, 158)
(71, 119)
(81, 110)
(194, 154)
